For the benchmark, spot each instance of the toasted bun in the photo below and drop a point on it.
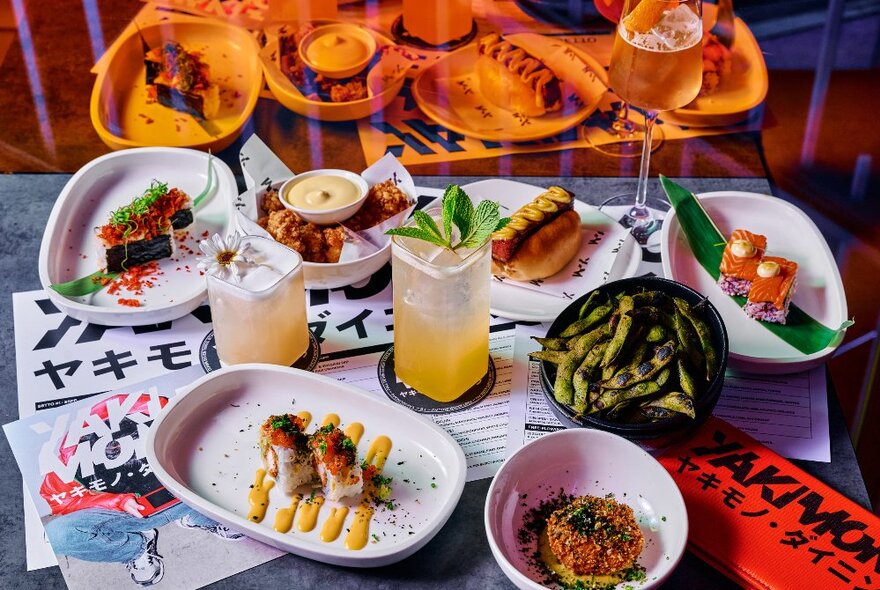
(545, 252)
(505, 89)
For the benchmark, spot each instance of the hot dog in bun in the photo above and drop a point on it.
(541, 238)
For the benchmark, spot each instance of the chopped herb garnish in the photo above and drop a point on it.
(433, 485)
(348, 444)
(323, 446)
(140, 205)
(327, 429)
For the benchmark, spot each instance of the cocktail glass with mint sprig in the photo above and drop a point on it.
(441, 270)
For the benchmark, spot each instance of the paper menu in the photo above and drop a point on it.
(787, 413)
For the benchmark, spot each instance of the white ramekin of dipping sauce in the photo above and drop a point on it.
(321, 210)
(337, 51)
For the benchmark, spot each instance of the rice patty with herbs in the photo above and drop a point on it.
(594, 536)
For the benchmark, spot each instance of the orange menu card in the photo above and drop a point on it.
(766, 523)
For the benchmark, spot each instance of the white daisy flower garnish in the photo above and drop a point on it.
(224, 258)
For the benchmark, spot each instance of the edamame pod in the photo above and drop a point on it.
(620, 333)
(551, 356)
(552, 343)
(612, 397)
(582, 325)
(674, 401)
(705, 338)
(656, 333)
(588, 304)
(662, 356)
(686, 380)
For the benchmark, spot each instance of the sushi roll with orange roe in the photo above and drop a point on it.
(771, 291)
(336, 463)
(740, 260)
(284, 446)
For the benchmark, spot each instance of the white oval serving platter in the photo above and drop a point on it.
(203, 448)
(790, 234)
(69, 249)
(511, 301)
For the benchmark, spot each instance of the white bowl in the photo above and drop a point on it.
(581, 462)
(347, 29)
(326, 216)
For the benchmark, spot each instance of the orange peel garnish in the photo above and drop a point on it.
(647, 14)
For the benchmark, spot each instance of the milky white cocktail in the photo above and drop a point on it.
(261, 318)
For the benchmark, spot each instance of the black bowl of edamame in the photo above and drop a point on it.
(643, 358)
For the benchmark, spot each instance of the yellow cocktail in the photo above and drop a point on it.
(441, 316)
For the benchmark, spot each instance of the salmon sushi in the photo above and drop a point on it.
(771, 291)
(284, 446)
(740, 260)
(336, 463)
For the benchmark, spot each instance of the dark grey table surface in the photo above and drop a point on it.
(459, 556)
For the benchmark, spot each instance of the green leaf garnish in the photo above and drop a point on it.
(84, 285)
(201, 196)
(140, 205)
(475, 225)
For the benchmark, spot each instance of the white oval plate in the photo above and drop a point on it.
(510, 301)
(582, 461)
(208, 435)
(790, 234)
(70, 249)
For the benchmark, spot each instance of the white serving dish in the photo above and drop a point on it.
(510, 301)
(326, 216)
(69, 249)
(208, 434)
(790, 234)
(583, 461)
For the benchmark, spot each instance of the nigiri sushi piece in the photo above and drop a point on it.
(284, 446)
(740, 260)
(336, 463)
(771, 291)
(141, 231)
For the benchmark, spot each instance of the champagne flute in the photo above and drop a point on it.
(656, 65)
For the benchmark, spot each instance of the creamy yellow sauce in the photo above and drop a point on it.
(544, 204)
(331, 419)
(308, 514)
(320, 193)
(306, 417)
(309, 510)
(333, 525)
(258, 497)
(378, 451)
(354, 431)
(284, 517)
(337, 51)
(360, 528)
(568, 577)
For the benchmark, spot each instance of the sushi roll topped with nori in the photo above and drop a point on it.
(180, 80)
(771, 291)
(336, 463)
(284, 446)
(140, 232)
(739, 261)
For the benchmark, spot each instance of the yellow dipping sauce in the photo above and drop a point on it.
(320, 193)
(337, 51)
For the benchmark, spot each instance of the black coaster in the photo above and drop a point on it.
(406, 396)
(401, 35)
(211, 362)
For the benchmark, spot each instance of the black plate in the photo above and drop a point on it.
(659, 432)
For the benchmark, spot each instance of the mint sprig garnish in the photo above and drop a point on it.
(475, 225)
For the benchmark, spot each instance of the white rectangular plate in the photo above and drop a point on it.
(203, 448)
